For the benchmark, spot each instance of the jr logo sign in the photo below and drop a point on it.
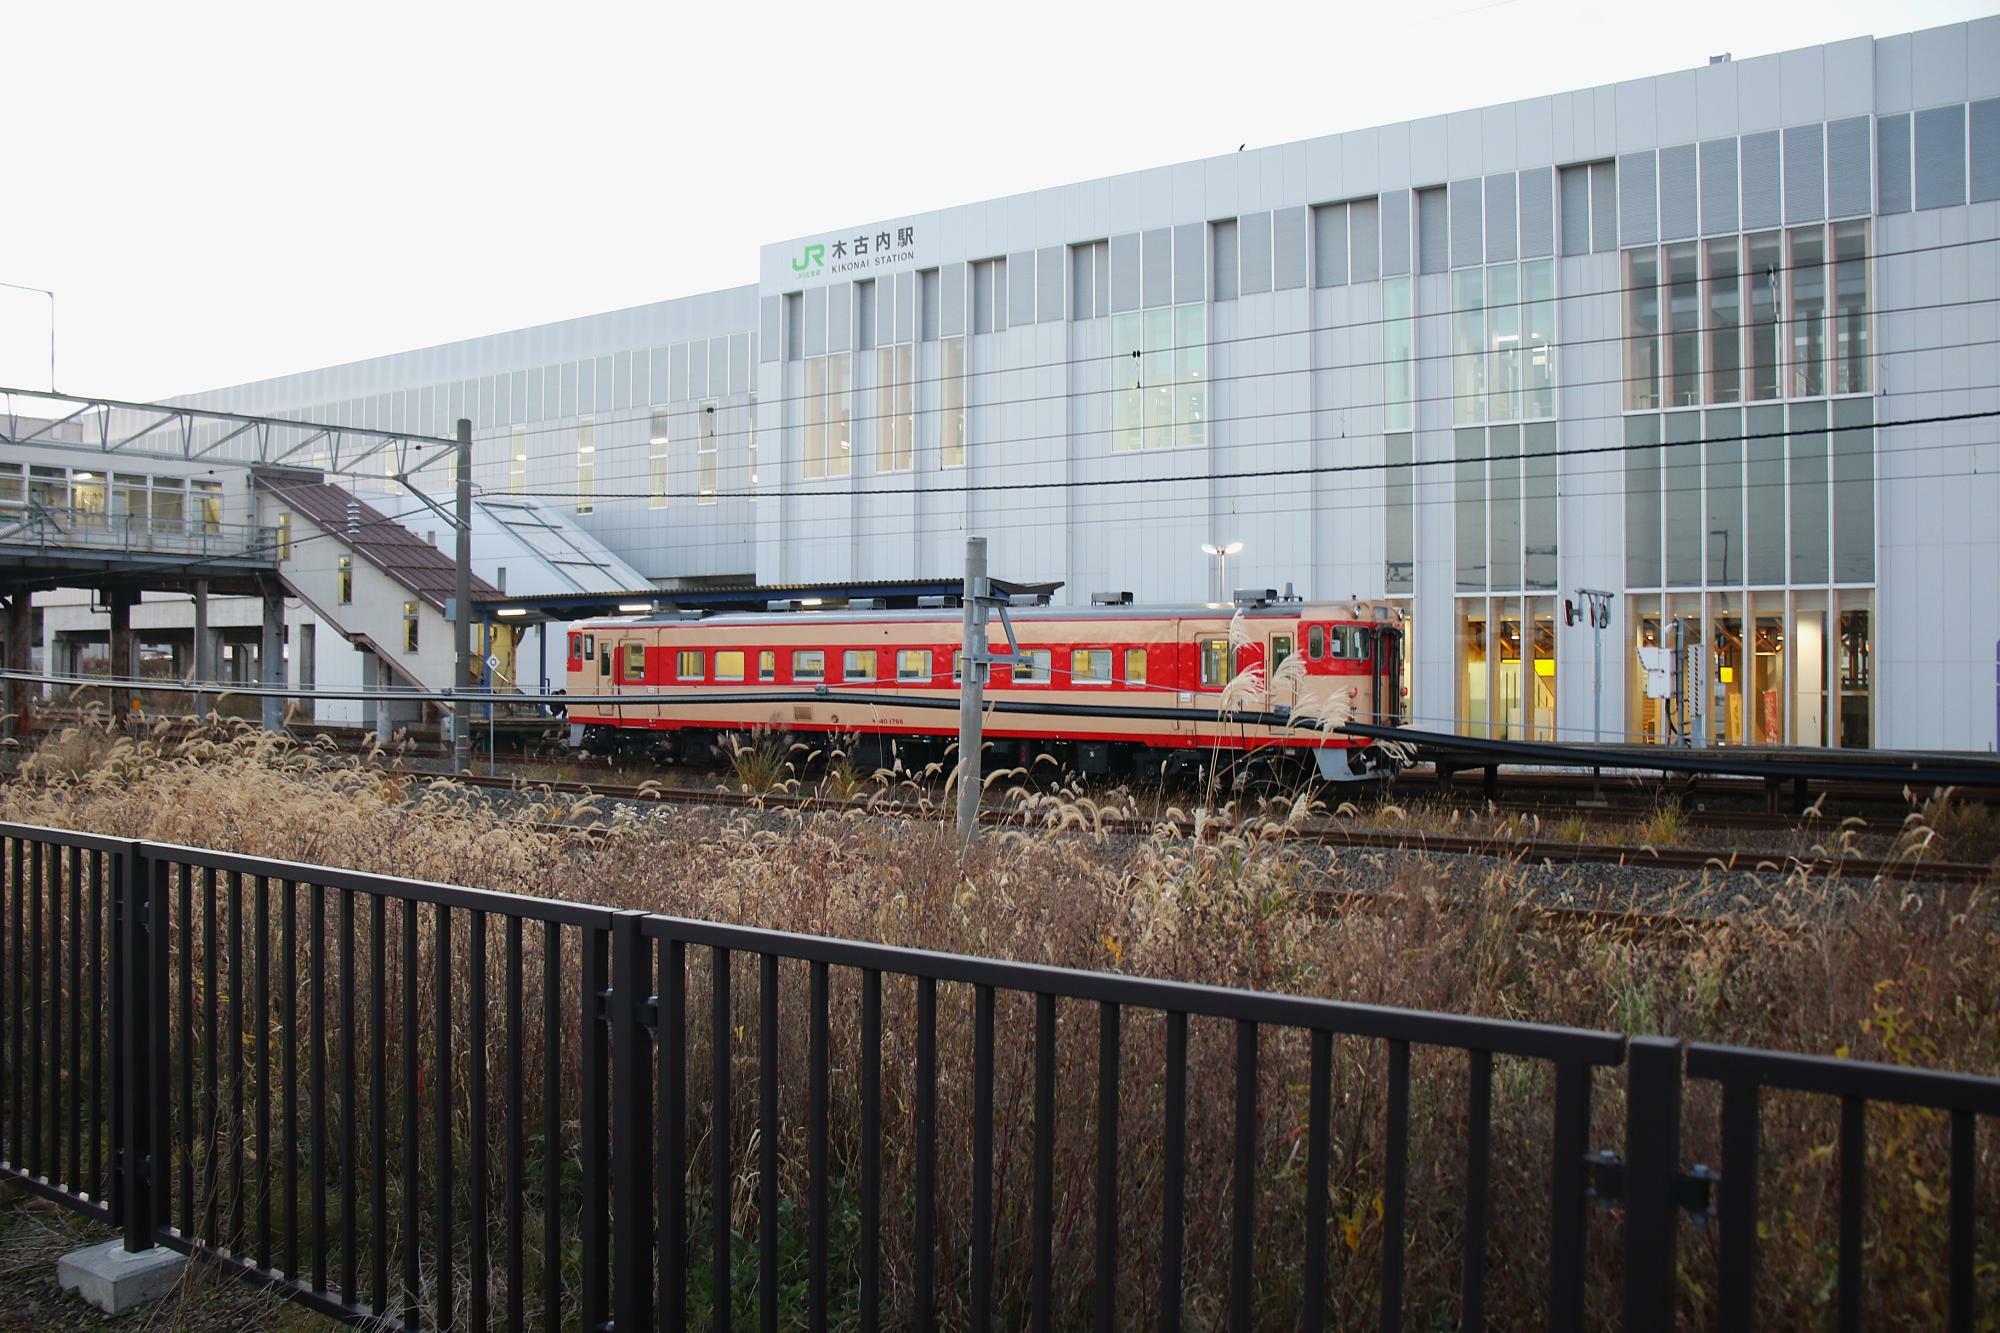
(812, 256)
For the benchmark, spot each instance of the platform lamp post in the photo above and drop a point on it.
(1221, 554)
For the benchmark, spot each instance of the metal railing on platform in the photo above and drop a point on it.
(135, 534)
(430, 1105)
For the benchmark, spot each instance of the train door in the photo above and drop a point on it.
(1385, 675)
(1278, 647)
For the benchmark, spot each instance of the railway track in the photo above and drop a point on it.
(1526, 850)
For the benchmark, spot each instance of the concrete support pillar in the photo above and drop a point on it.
(20, 617)
(385, 713)
(121, 654)
(204, 648)
(271, 653)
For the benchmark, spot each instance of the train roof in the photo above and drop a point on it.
(1335, 611)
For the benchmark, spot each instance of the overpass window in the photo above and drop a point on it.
(11, 491)
(809, 665)
(205, 501)
(517, 461)
(169, 504)
(409, 627)
(586, 465)
(345, 573)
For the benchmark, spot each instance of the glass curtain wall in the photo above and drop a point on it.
(1764, 514)
(1505, 496)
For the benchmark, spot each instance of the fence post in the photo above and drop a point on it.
(1652, 1166)
(132, 1048)
(631, 1124)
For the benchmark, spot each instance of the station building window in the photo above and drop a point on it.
(895, 407)
(705, 454)
(344, 573)
(1399, 347)
(827, 408)
(951, 402)
(657, 442)
(410, 627)
(1772, 314)
(1159, 369)
(586, 465)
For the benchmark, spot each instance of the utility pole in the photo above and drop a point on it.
(971, 687)
(462, 670)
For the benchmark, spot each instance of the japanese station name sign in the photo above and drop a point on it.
(854, 254)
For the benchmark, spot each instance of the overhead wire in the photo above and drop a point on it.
(1830, 311)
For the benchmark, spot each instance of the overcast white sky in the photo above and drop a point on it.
(219, 194)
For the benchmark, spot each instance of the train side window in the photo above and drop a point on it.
(604, 660)
(576, 647)
(690, 664)
(1351, 642)
(767, 665)
(858, 664)
(589, 646)
(1033, 667)
(1214, 662)
(1281, 648)
(809, 664)
(1090, 666)
(635, 661)
(1135, 666)
(729, 664)
(914, 664)
(957, 666)
(1315, 643)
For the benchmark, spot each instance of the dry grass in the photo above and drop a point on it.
(1803, 967)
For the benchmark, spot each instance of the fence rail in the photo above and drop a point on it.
(439, 1106)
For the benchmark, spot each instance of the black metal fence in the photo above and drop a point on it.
(419, 1104)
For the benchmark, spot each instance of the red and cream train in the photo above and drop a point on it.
(676, 685)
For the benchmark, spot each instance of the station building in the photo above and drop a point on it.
(1717, 342)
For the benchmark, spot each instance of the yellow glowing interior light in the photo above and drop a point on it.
(1729, 675)
(1545, 666)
